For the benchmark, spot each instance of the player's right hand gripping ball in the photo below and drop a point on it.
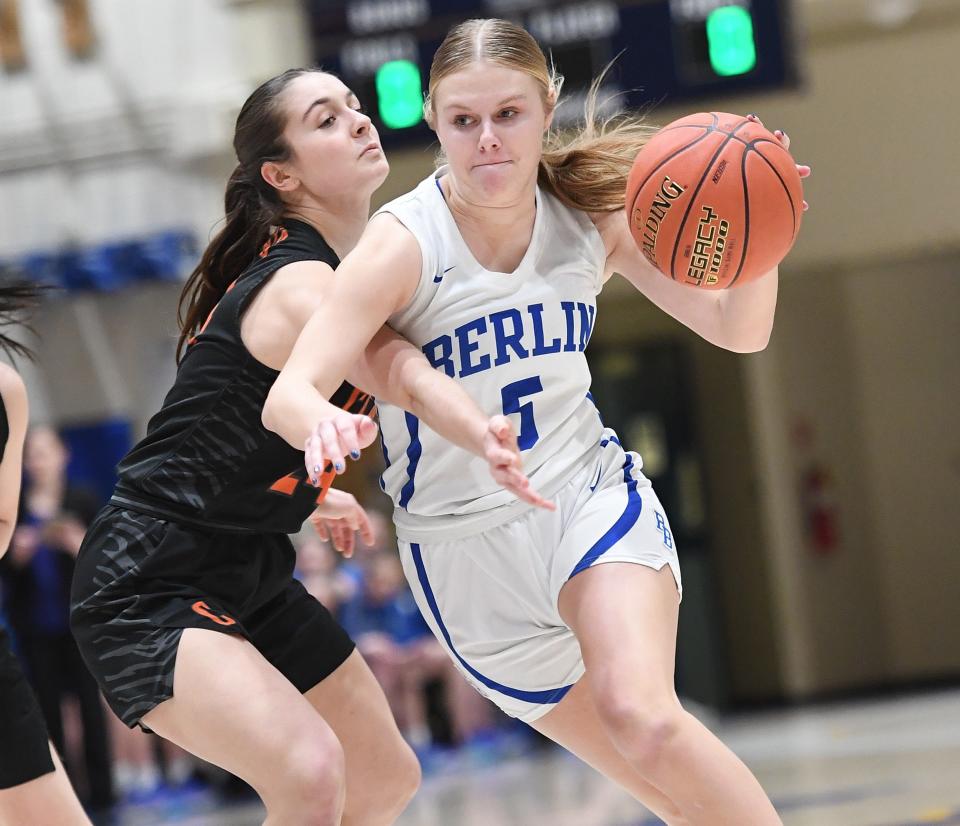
(714, 200)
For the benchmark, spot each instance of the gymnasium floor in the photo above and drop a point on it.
(888, 762)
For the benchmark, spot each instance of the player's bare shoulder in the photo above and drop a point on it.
(282, 307)
(614, 231)
(610, 225)
(388, 235)
(12, 389)
(386, 264)
(298, 288)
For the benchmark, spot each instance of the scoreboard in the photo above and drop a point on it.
(667, 51)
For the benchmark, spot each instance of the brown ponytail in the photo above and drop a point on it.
(251, 206)
(17, 297)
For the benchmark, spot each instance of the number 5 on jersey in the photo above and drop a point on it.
(511, 395)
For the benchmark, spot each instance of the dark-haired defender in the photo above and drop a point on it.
(184, 602)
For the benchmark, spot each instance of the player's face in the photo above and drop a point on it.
(335, 149)
(490, 121)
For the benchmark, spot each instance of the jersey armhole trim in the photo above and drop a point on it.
(423, 259)
(251, 293)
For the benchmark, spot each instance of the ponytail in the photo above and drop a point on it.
(17, 296)
(252, 207)
(589, 170)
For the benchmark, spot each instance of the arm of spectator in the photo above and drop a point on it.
(65, 533)
(344, 586)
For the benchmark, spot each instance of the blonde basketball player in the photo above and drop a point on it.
(565, 618)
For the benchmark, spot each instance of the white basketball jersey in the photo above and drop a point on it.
(515, 342)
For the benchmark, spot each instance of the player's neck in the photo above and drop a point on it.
(492, 220)
(340, 228)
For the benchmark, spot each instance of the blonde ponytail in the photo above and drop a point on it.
(588, 169)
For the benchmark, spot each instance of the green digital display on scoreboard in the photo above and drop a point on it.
(399, 94)
(663, 50)
(730, 40)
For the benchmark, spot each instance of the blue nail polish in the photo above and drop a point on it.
(338, 467)
(316, 468)
(314, 480)
(354, 454)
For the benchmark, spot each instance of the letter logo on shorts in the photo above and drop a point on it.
(201, 608)
(664, 528)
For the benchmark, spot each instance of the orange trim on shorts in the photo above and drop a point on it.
(201, 608)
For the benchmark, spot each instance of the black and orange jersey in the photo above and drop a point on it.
(207, 459)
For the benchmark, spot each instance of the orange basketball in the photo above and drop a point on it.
(714, 200)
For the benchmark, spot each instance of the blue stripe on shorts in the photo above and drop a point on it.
(414, 449)
(553, 695)
(619, 528)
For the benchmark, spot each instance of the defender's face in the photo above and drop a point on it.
(335, 148)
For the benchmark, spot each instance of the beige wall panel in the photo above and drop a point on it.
(904, 326)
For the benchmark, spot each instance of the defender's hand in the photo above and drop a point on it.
(502, 453)
(338, 518)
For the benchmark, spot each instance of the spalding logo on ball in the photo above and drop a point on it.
(714, 200)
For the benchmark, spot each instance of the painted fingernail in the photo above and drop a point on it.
(806, 206)
(354, 454)
(314, 480)
(316, 468)
(338, 466)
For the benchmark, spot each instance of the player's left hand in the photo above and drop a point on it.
(784, 139)
(338, 518)
(333, 439)
(502, 453)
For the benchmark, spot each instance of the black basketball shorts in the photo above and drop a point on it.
(140, 580)
(24, 750)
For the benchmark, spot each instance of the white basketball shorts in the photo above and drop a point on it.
(491, 599)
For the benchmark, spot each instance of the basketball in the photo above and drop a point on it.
(714, 200)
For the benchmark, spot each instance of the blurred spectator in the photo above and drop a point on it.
(37, 573)
(319, 570)
(381, 615)
(137, 775)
